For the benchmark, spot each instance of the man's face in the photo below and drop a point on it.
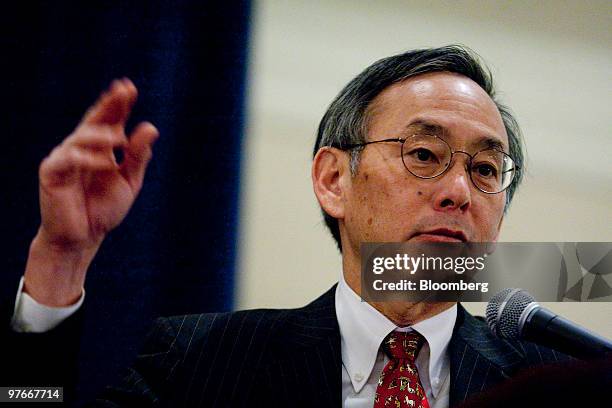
(385, 203)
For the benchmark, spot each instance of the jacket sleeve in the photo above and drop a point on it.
(40, 359)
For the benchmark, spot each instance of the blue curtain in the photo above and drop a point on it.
(175, 252)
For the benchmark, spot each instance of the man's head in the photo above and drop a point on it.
(367, 193)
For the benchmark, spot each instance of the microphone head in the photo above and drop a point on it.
(507, 311)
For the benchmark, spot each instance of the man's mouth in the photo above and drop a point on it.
(439, 235)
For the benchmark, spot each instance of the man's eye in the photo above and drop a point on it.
(486, 170)
(424, 154)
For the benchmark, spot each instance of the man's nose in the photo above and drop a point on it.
(454, 187)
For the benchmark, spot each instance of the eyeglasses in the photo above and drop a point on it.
(427, 156)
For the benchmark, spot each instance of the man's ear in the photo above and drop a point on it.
(329, 171)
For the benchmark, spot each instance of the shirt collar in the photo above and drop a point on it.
(363, 328)
(437, 331)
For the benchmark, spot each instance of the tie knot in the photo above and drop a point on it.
(402, 345)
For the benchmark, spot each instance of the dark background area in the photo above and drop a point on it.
(175, 252)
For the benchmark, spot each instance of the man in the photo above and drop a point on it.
(336, 350)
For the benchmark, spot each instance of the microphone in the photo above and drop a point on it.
(514, 314)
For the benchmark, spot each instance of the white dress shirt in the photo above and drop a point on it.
(29, 316)
(362, 330)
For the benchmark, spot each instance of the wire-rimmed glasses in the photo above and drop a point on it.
(428, 156)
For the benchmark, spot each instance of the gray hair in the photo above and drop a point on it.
(346, 121)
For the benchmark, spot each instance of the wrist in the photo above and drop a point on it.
(55, 274)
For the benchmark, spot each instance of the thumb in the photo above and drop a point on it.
(138, 153)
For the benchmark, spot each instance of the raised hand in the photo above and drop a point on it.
(85, 193)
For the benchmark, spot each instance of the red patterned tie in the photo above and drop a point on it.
(399, 385)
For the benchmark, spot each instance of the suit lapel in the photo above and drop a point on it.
(308, 370)
(477, 358)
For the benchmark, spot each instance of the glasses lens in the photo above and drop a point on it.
(492, 171)
(425, 155)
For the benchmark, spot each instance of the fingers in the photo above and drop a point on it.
(90, 147)
(113, 107)
(138, 153)
(68, 161)
(97, 138)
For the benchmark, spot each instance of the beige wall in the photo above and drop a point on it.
(552, 61)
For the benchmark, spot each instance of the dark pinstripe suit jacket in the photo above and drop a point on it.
(289, 358)
(285, 357)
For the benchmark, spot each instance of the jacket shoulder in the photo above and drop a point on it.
(245, 329)
(222, 355)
